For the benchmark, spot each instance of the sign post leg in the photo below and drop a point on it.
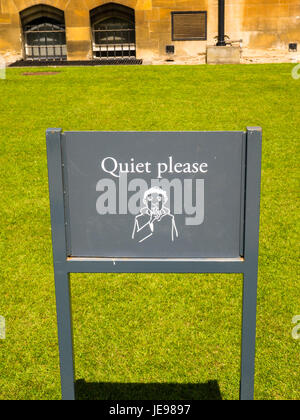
(248, 336)
(65, 336)
(251, 235)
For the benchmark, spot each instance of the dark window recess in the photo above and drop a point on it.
(45, 40)
(189, 26)
(170, 49)
(113, 28)
(44, 33)
(293, 46)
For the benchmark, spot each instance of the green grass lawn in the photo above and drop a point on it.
(147, 329)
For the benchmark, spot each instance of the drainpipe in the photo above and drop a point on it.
(221, 35)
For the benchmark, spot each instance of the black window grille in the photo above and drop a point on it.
(45, 39)
(113, 31)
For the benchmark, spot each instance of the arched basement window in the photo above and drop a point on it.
(113, 30)
(44, 33)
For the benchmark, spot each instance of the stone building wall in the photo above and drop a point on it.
(266, 27)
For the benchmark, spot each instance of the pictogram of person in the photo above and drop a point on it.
(155, 219)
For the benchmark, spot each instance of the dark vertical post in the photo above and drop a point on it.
(252, 207)
(62, 281)
(65, 333)
(221, 24)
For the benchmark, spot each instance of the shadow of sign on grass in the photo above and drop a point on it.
(150, 391)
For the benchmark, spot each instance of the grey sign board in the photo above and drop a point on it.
(154, 202)
(198, 178)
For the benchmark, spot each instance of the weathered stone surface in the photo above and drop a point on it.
(266, 27)
(223, 55)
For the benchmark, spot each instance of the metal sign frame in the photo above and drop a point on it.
(246, 265)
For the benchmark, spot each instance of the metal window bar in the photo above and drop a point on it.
(110, 45)
(46, 46)
(43, 45)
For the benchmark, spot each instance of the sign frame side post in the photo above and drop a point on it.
(252, 213)
(61, 274)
